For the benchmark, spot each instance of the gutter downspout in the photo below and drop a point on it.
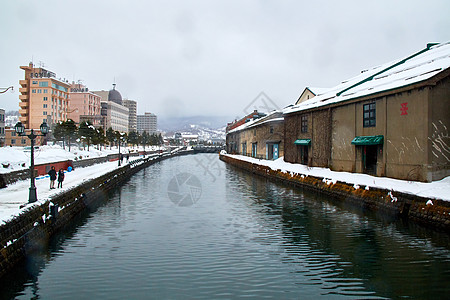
(429, 45)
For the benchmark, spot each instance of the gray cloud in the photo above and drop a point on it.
(211, 57)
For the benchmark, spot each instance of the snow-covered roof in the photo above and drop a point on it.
(317, 91)
(413, 69)
(270, 117)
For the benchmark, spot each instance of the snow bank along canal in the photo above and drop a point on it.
(194, 227)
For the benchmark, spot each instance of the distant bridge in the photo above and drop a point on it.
(207, 149)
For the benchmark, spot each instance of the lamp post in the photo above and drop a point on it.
(120, 158)
(20, 130)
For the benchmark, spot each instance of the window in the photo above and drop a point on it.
(304, 123)
(254, 132)
(271, 129)
(369, 117)
(24, 141)
(45, 113)
(13, 142)
(43, 84)
(35, 82)
(254, 149)
(45, 105)
(13, 133)
(45, 98)
(33, 91)
(39, 91)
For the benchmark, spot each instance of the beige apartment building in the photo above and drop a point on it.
(43, 97)
(2, 127)
(84, 105)
(132, 113)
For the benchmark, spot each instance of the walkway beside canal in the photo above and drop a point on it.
(14, 198)
(426, 203)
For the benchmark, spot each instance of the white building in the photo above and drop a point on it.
(115, 115)
(147, 122)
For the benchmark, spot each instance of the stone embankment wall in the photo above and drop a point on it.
(391, 203)
(32, 229)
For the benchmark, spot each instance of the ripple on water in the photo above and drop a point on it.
(245, 237)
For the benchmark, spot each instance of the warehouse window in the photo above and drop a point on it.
(369, 116)
(304, 123)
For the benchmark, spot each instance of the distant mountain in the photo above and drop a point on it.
(207, 128)
(178, 124)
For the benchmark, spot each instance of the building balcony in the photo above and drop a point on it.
(23, 83)
(23, 90)
(23, 97)
(23, 105)
(23, 117)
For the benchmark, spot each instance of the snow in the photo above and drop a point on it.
(268, 118)
(16, 195)
(317, 91)
(413, 70)
(18, 158)
(434, 190)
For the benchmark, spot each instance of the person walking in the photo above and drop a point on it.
(60, 178)
(52, 174)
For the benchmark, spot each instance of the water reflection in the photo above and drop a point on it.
(349, 253)
(245, 237)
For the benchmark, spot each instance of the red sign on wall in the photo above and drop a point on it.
(404, 109)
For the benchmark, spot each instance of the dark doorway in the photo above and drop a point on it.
(303, 155)
(370, 159)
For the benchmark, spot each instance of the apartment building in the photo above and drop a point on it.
(43, 97)
(84, 105)
(132, 113)
(147, 122)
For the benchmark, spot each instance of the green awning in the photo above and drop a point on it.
(368, 140)
(303, 142)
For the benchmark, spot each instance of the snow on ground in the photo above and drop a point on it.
(18, 158)
(435, 190)
(16, 194)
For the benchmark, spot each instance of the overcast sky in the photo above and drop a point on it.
(186, 58)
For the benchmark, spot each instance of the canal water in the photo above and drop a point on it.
(192, 227)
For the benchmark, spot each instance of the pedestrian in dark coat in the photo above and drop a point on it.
(60, 178)
(52, 174)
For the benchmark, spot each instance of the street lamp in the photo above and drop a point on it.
(120, 158)
(20, 130)
(4, 90)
